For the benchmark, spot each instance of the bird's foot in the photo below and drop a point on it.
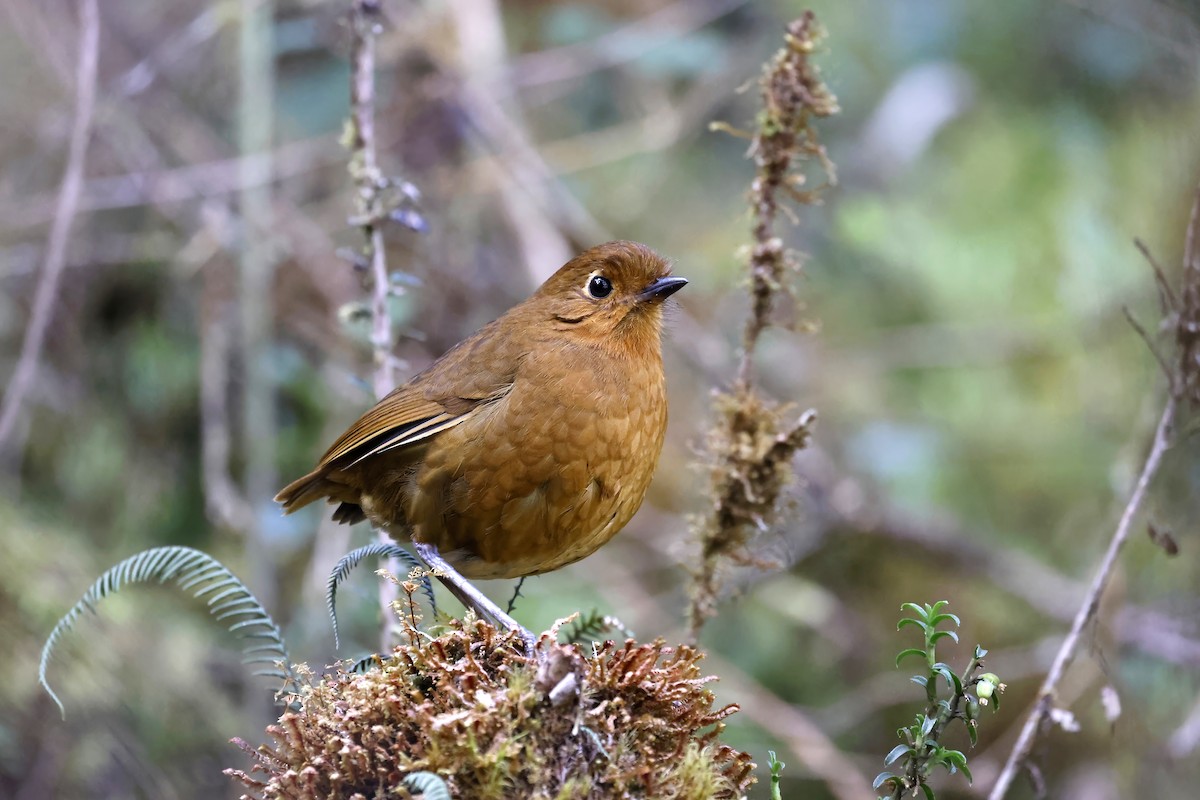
(471, 597)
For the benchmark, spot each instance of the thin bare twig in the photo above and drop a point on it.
(1182, 310)
(369, 184)
(1187, 319)
(1167, 298)
(60, 230)
(1168, 373)
(1091, 603)
(202, 181)
(1183, 313)
(625, 43)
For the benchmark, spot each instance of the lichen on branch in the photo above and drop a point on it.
(752, 441)
(793, 95)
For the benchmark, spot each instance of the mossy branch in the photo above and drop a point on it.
(793, 96)
(751, 443)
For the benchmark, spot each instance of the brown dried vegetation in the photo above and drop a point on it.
(492, 723)
(751, 442)
(1187, 328)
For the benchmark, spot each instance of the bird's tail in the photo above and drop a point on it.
(302, 491)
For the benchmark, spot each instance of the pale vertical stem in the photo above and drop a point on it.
(60, 229)
(369, 183)
(256, 266)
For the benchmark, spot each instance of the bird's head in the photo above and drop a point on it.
(613, 293)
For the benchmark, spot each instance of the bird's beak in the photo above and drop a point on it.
(661, 289)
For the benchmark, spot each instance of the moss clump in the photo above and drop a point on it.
(629, 720)
(750, 445)
(750, 450)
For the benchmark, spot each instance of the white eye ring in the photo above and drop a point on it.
(599, 286)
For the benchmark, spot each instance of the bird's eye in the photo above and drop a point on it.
(599, 287)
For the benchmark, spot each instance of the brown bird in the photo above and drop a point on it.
(529, 444)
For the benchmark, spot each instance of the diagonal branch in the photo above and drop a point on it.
(64, 215)
(1182, 382)
(1091, 603)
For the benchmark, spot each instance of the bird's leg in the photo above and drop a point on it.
(469, 596)
(512, 601)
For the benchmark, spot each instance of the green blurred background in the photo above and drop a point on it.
(983, 402)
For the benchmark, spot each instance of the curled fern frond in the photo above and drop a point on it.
(367, 662)
(203, 576)
(429, 785)
(593, 625)
(352, 559)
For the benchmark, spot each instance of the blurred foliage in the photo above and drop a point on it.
(983, 404)
(150, 697)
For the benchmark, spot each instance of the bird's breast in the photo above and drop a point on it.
(548, 473)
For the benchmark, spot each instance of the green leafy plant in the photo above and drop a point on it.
(921, 751)
(203, 576)
(776, 772)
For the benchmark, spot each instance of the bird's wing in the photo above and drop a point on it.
(400, 419)
(478, 370)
